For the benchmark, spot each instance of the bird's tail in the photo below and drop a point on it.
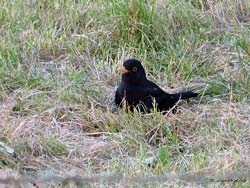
(184, 95)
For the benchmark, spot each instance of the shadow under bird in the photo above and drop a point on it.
(136, 91)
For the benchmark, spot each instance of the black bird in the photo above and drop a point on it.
(135, 90)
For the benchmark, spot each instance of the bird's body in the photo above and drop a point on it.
(137, 91)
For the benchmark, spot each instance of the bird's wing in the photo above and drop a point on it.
(153, 90)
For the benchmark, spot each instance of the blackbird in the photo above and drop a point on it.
(136, 91)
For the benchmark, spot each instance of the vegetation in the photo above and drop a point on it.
(58, 64)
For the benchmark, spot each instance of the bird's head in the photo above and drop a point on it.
(132, 70)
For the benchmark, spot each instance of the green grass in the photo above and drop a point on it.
(58, 64)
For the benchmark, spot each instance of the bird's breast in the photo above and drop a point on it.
(132, 93)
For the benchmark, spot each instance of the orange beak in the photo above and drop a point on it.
(122, 69)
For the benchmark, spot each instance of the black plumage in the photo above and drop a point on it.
(135, 90)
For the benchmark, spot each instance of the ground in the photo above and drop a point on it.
(58, 63)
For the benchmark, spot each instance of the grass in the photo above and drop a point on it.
(58, 64)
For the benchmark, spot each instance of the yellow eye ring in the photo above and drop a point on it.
(134, 69)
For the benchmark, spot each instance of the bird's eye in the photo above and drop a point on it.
(134, 69)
